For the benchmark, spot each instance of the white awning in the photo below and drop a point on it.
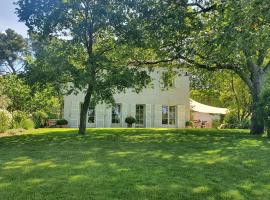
(198, 107)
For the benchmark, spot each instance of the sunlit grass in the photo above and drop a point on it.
(134, 164)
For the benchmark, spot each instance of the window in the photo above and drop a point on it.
(116, 114)
(168, 115)
(140, 114)
(91, 115)
(172, 112)
(165, 114)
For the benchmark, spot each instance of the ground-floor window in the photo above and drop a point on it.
(140, 114)
(168, 115)
(91, 115)
(116, 114)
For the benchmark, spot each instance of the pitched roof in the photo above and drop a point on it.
(202, 108)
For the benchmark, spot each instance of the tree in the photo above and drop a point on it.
(12, 51)
(222, 89)
(17, 91)
(213, 35)
(95, 32)
(19, 96)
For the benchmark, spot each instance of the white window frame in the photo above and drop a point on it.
(119, 115)
(171, 116)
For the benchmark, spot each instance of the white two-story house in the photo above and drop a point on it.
(154, 107)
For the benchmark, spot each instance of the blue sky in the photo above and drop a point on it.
(8, 18)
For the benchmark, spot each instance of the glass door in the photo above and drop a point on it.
(140, 115)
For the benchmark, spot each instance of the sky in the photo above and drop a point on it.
(8, 18)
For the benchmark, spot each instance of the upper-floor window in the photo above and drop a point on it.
(116, 114)
(168, 115)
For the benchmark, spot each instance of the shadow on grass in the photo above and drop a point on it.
(135, 164)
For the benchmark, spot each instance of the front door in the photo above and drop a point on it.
(140, 116)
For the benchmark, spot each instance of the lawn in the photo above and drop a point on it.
(135, 164)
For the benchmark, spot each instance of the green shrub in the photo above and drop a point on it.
(189, 124)
(40, 118)
(18, 118)
(61, 122)
(216, 123)
(245, 124)
(130, 120)
(5, 120)
(27, 124)
(232, 122)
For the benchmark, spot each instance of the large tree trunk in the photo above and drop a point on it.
(257, 123)
(84, 110)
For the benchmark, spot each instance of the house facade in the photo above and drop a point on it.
(153, 107)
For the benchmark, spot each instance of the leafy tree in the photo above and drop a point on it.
(96, 32)
(265, 104)
(213, 35)
(13, 48)
(26, 98)
(17, 91)
(222, 89)
(4, 100)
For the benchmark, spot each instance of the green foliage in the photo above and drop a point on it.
(216, 123)
(214, 35)
(62, 122)
(39, 118)
(221, 89)
(18, 118)
(21, 120)
(46, 99)
(5, 120)
(13, 47)
(130, 120)
(189, 124)
(96, 57)
(27, 124)
(265, 104)
(17, 91)
(232, 122)
(26, 98)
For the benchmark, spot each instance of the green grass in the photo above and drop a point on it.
(135, 164)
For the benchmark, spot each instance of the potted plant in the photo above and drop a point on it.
(189, 124)
(62, 123)
(130, 121)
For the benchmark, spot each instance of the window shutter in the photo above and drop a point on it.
(100, 111)
(157, 115)
(133, 111)
(124, 114)
(181, 116)
(108, 117)
(148, 116)
(74, 114)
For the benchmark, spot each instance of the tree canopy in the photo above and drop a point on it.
(95, 41)
(213, 35)
(13, 48)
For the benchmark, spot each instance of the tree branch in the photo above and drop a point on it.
(139, 62)
(202, 8)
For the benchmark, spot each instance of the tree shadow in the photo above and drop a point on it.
(135, 164)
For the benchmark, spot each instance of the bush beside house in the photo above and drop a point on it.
(130, 121)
